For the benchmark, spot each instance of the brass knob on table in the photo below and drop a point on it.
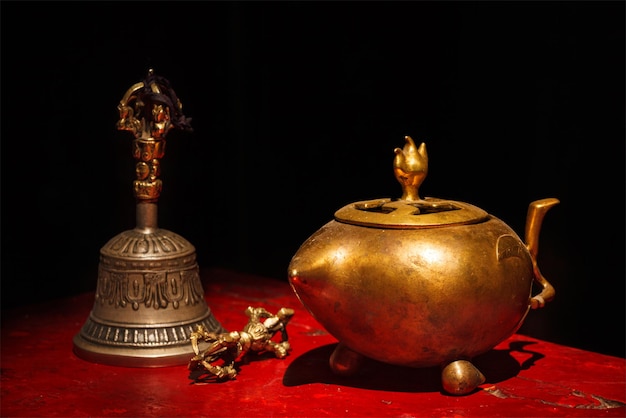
(149, 297)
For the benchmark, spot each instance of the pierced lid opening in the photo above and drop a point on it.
(424, 213)
(410, 211)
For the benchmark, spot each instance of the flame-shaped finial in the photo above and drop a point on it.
(410, 166)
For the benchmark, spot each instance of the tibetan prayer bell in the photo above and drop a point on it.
(149, 297)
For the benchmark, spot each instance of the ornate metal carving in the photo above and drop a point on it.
(149, 298)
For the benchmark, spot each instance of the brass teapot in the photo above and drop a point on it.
(420, 282)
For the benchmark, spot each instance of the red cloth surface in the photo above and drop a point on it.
(42, 377)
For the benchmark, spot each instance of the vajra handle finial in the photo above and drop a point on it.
(410, 166)
(149, 109)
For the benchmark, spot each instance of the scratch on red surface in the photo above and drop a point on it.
(493, 390)
(566, 398)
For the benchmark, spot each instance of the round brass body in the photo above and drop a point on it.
(420, 282)
(416, 296)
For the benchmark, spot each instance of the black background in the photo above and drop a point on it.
(296, 109)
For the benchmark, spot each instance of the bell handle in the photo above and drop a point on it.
(149, 109)
(536, 212)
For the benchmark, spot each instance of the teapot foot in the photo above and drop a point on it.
(461, 377)
(345, 361)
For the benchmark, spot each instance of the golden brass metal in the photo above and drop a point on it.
(219, 359)
(149, 298)
(419, 282)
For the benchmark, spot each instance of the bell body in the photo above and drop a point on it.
(415, 297)
(149, 299)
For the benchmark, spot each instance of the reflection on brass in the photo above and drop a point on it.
(448, 280)
(410, 166)
(219, 359)
(460, 377)
(149, 298)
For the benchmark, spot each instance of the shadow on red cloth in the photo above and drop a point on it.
(201, 375)
(312, 367)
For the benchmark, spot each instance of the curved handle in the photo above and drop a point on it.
(536, 212)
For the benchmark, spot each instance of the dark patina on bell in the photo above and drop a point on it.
(149, 297)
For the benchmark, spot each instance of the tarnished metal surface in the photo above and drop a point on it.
(419, 282)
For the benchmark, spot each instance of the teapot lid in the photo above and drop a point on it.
(410, 211)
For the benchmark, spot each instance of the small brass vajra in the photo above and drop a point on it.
(219, 360)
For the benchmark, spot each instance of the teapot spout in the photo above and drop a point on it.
(536, 212)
